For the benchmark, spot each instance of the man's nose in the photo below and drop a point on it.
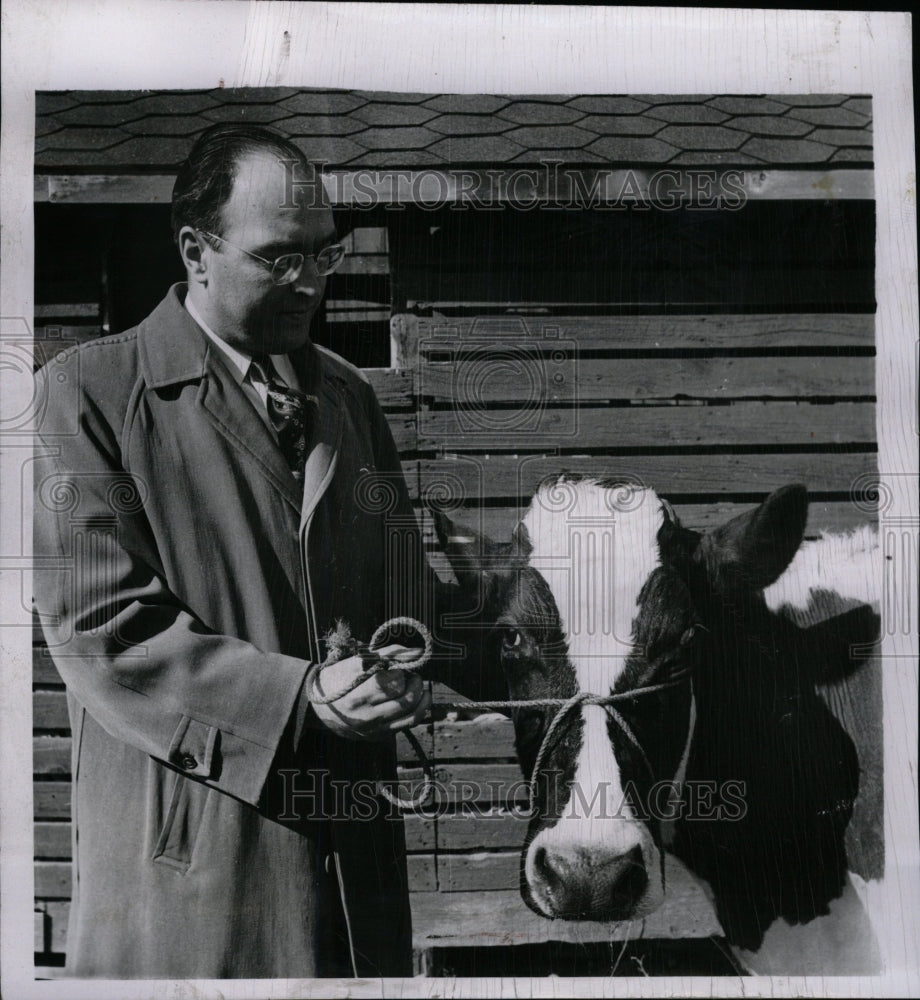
(308, 284)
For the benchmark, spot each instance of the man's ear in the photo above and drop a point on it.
(758, 545)
(192, 254)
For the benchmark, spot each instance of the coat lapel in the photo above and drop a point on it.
(324, 431)
(173, 350)
(233, 415)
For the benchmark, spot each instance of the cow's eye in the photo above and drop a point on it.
(689, 636)
(511, 639)
(692, 633)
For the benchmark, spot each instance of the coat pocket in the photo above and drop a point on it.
(182, 824)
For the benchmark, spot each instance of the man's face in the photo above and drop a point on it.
(267, 216)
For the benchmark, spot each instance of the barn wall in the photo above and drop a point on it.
(710, 355)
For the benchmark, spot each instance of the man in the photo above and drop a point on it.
(199, 526)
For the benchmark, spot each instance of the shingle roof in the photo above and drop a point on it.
(115, 131)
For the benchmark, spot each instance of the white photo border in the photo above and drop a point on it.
(202, 44)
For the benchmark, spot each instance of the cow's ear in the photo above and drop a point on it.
(759, 544)
(467, 550)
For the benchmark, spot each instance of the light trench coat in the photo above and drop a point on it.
(184, 588)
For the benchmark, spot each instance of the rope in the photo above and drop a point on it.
(340, 644)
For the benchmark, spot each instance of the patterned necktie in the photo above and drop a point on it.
(287, 409)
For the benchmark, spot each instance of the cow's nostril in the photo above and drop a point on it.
(550, 868)
(632, 879)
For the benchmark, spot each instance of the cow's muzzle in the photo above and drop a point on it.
(581, 882)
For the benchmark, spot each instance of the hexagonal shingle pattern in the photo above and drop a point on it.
(622, 150)
(394, 114)
(748, 105)
(687, 114)
(118, 131)
(604, 105)
(533, 113)
(701, 137)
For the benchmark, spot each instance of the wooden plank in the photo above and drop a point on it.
(404, 749)
(43, 669)
(367, 239)
(101, 189)
(403, 428)
(53, 879)
(473, 187)
(489, 737)
(409, 333)
(475, 872)
(420, 832)
(365, 264)
(67, 311)
(745, 424)
(422, 873)
(393, 388)
(575, 187)
(378, 315)
(504, 476)
(52, 841)
(500, 918)
(456, 784)
(49, 710)
(485, 831)
(38, 930)
(51, 799)
(845, 287)
(57, 915)
(498, 523)
(518, 376)
(51, 755)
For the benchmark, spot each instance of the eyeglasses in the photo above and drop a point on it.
(288, 266)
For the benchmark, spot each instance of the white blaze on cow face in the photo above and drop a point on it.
(595, 557)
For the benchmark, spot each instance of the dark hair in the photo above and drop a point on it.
(205, 180)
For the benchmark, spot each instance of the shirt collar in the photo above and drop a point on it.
(240, 360)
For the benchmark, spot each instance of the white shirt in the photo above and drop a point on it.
(239, 362)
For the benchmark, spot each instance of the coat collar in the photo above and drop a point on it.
(173, 349)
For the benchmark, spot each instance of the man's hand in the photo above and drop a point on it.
(390, 700)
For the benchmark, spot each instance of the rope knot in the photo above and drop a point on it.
(341, 644)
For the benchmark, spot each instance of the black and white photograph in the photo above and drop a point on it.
(460, 524)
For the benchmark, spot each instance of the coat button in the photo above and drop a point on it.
(188, 762)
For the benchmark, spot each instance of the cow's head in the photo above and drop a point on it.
(601, 590)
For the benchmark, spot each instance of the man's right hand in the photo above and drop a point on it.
(390, 700)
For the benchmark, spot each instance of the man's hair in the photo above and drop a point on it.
(205, 180)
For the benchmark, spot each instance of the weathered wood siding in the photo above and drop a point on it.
(713, 374)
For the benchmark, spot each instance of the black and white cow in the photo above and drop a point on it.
(602, 591)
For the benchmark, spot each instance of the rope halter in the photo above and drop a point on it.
(341, 644)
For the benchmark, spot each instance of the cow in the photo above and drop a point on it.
(669, 665)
